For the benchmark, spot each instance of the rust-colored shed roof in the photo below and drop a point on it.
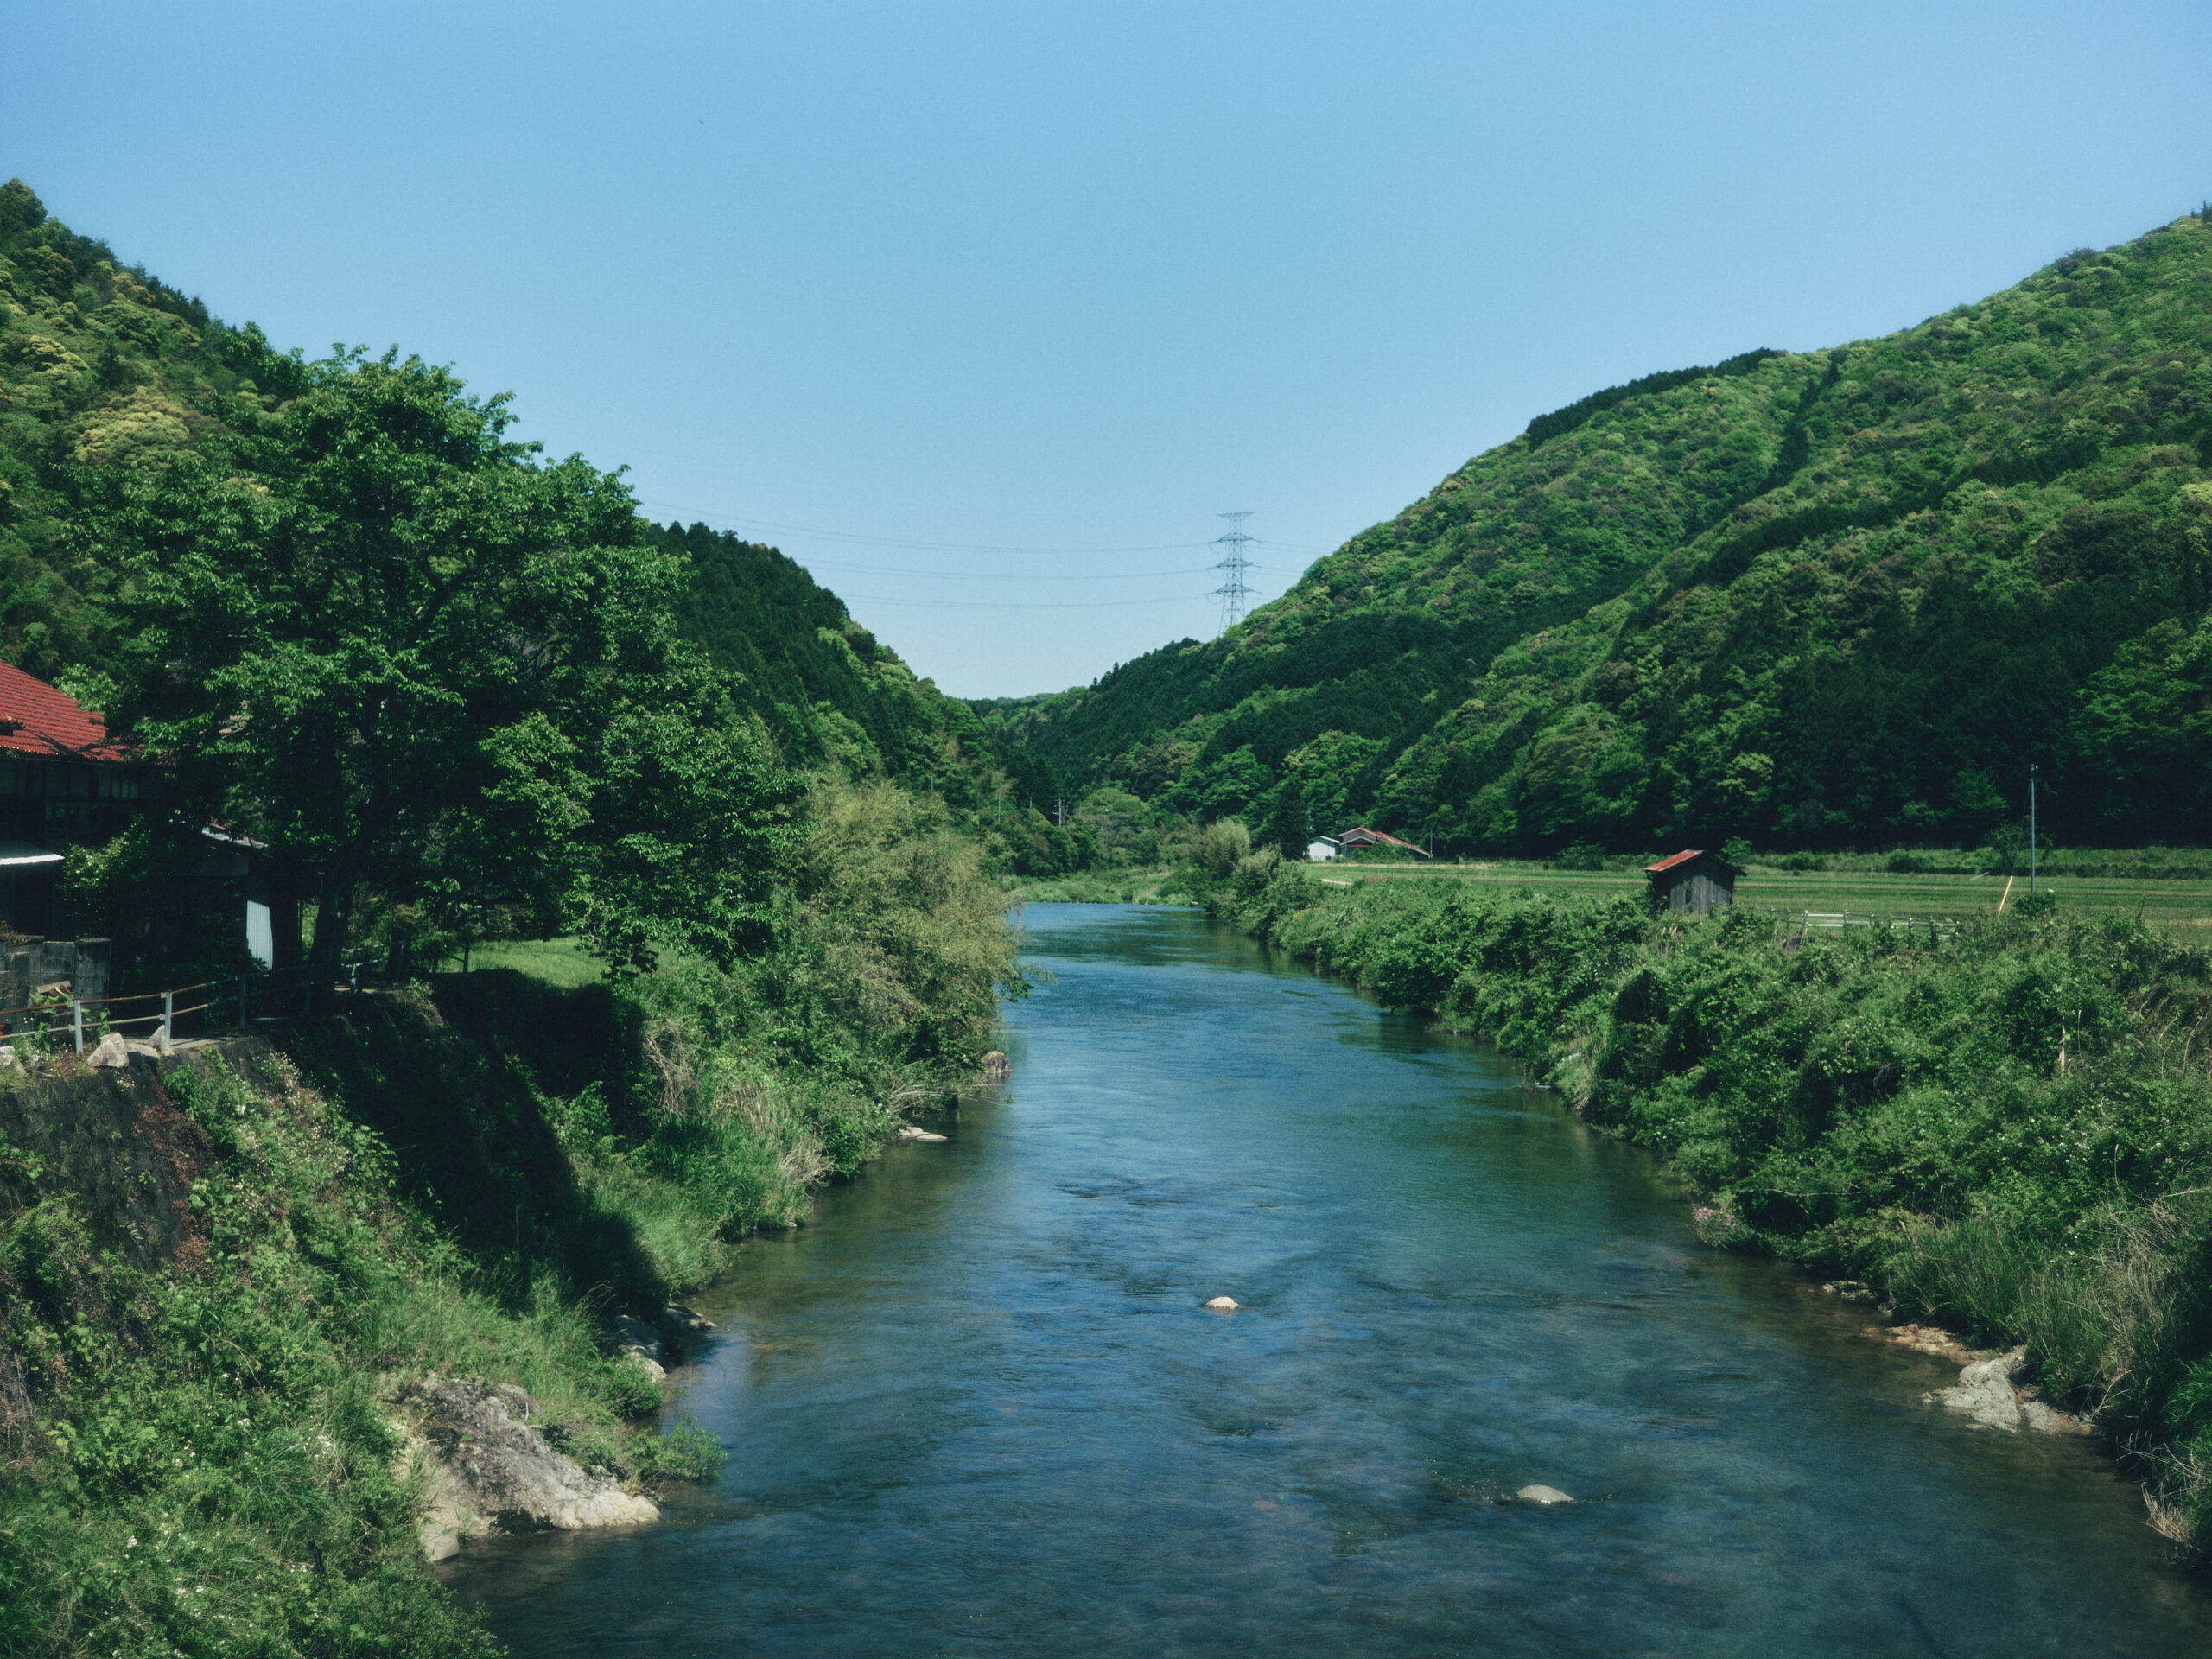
(1666, 864)
(1360, 836)
(37, 718)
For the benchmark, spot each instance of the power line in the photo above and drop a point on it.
(1233, 592)
(1014, 605)
(725, 522)
(994, 576)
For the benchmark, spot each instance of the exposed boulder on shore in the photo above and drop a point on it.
(997, 1067)
(627, 1334)
(908, 1132)
(486, 1469)
(1986, 1395)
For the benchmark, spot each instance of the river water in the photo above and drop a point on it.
(975, 1408)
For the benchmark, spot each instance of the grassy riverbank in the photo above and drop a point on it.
(217, 1274)
(1160, 886)
(2011, 1132)
(2174, 895)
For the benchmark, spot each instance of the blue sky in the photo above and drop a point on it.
(985, 311)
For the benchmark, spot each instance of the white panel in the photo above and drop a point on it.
(260, 936)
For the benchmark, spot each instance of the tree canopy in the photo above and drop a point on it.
(398, 646)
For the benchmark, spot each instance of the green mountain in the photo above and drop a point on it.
(1827, 598)
(103, 368)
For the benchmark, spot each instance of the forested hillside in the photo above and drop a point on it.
(1843, 597)
(105, 372)
(451, 689)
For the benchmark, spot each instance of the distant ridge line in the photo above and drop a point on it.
(1567, 418)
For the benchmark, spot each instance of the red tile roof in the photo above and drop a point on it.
(37, 718)
(1665, 864)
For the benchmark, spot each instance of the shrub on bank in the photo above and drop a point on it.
(195, 1449)
(2010, 1131)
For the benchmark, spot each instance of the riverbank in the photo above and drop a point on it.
(1162, 885)
(257, 1301)
(981, 1403)
(2007, 1133)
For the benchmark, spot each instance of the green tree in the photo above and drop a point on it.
(2146, 728)
(397, 645)
(1288, 830)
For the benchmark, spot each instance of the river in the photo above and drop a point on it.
(975, 1408)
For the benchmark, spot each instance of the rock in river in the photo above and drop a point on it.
(1986, 1394)
(910, 1132)
(1543, 1494)
(1225, 1305)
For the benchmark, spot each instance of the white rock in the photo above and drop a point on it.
(111, 1052)
(1225, 1305)
(484, 1470)
(1985, 1392)
(1543, 1494)
(2048, 1419)
(627, 1334)
(910, 1132)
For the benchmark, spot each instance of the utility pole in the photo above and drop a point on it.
(2032, 771)
(1060, 813)
(1232, 593)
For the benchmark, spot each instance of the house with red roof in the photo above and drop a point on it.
(62, 779)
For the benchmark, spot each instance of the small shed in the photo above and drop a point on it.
(1321, 849)
(1694, 882)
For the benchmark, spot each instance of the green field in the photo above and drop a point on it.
(2177, 904)
(557, 962)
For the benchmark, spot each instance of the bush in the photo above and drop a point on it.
(1221, 846)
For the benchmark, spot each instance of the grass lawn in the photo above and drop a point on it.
(557, 962)
(2178, 903)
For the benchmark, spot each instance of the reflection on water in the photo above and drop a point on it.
(976, 1408)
